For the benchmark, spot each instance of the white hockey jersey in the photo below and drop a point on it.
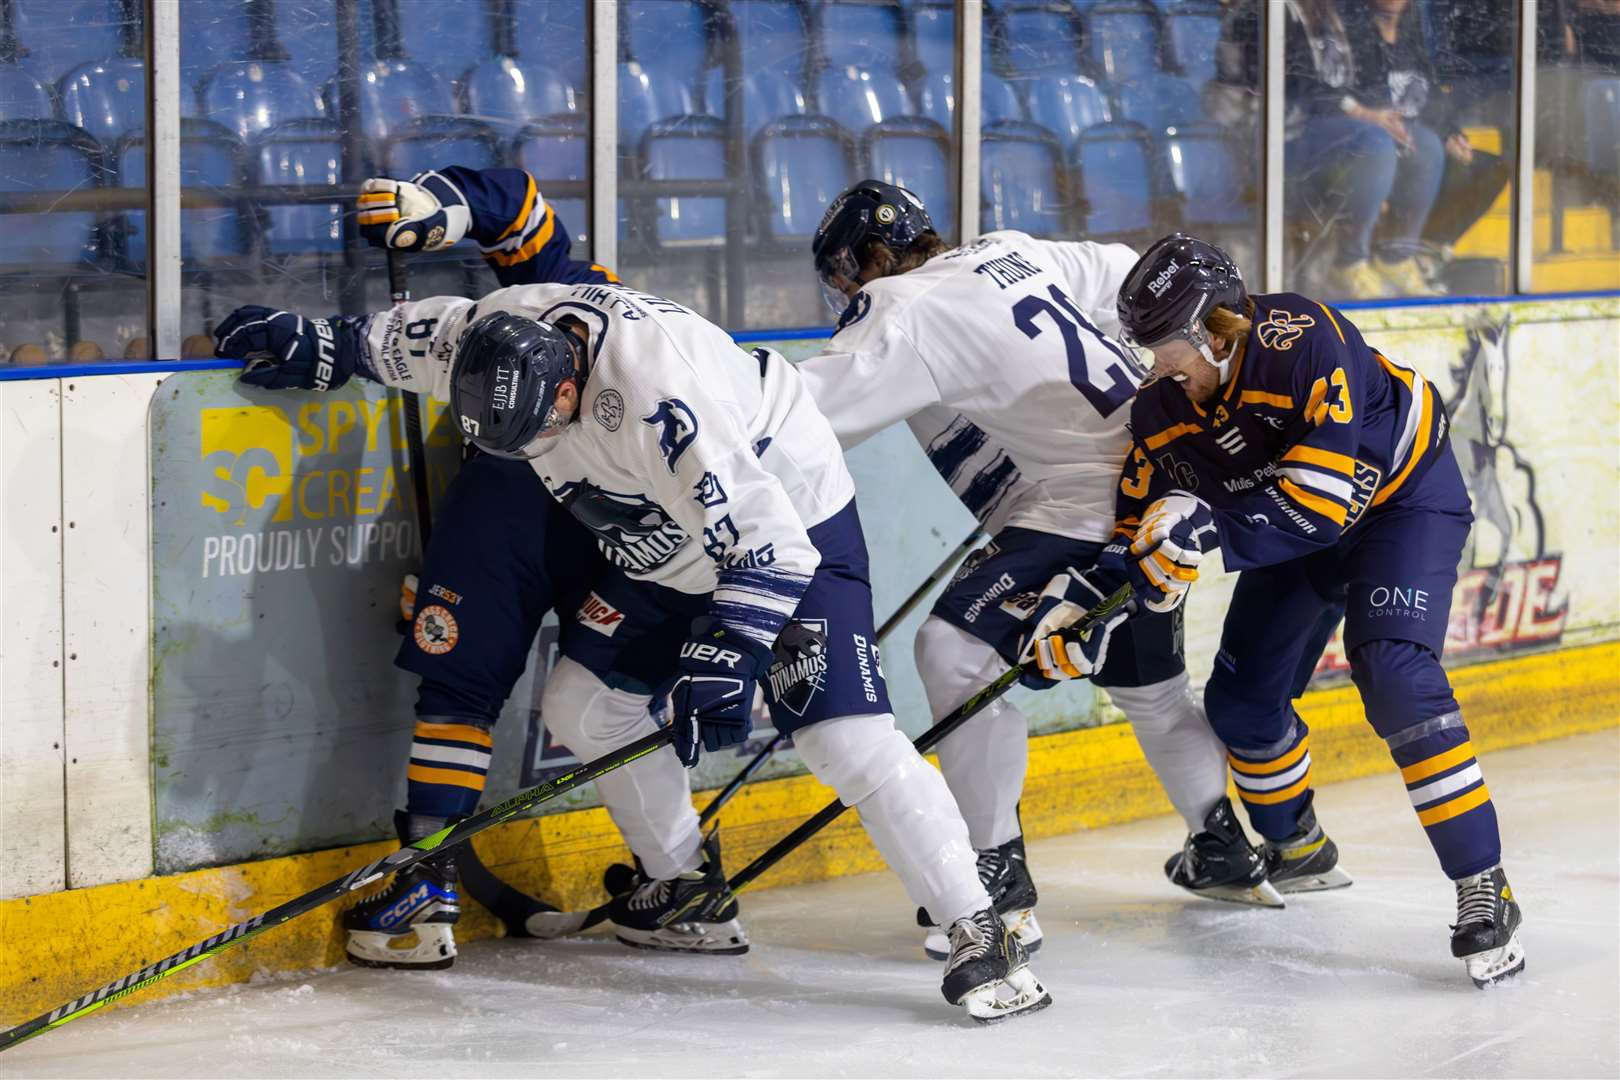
(698, 465)
(1014, 334)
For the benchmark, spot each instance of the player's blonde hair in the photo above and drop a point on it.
(879, 260)
(1229, 324)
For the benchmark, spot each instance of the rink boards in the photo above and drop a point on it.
(178, 695)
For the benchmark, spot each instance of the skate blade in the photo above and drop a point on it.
(1334, 878)
(1019, 993)
(716, 939)
(1494, 965)
(429, 947)
(1264, 894)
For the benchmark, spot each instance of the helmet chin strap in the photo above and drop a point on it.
(1223, 367)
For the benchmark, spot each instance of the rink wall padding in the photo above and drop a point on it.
(58, 945)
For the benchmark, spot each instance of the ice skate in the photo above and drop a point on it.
(1486, 937)
(410, 924)
(1220, 863)
(1307, 861)
(1005, 874)
(692, 912)
(988, 972)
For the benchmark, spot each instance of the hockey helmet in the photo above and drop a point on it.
(503, 386)
(871, 210)
(1172, 288)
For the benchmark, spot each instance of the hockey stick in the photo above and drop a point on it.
(561, 923)
(399, 290)
(402, 859)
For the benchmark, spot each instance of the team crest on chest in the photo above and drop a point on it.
(677, 426)
(1282, 328)
(609, 409)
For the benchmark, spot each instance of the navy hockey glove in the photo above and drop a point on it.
(285, 351)
(713, 696)
(1058, 651)
(426, 213)
(1169, 544)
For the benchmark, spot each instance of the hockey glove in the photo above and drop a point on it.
(713, 696)
(426, 213)
(285, 351)
(1169, 544)
(1058, 651)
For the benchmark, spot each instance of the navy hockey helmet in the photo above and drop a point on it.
(503, 387)
(1172, 289)
(871, 210)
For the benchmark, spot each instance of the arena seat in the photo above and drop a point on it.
(1194, 29)
(455, 45)
(210, 161)
(767, 95)
(774, 35)
(867, 34)
(212, 33)
(689, 148)
(504, 88)
(1124, 37)
(935, 98)
(22, 97)
(933, 34)
(1602, 98)
(998, 100)
(1021, 179)
(801, 163)
(914, 153)
(556, 148)
(428, 142)
(670, 34)
(300, 152)
(308, 31)
(648, 94)
(47, 155)
(858, 98)
(395, 92)
(61, 35)
(1205, 173)
(1157, 102)
(250, 96)
(1066, 105)
(1041, 37)
(1114, 176)
(106, 97)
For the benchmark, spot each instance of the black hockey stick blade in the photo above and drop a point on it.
(506, 902)
(401, 859)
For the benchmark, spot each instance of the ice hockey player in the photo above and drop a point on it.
(503, 554)
(721, 496)
(1015, 334)
(1322, 471)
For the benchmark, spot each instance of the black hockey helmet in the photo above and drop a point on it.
(871, 210)
(1173, 287)
(503, 387)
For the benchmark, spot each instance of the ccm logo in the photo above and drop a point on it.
(712, 654)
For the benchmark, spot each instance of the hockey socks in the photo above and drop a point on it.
(1447, 789)
(1274, 781)
(449, 763)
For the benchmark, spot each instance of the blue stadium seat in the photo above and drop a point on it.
(691, 148)
(556, 149)
(998, 100)
(213, 32)
(107, 97)
(1205, 173)
(1194, 29)
(454, 39)
(1021, 179)
(1066, 105)
(1124, 36)
(914, 153)
(300, 152)
(395, 92)
(503, 88)
(866, 34)
(307, 29)
(61, 35)
(933, 34)
(1041, 37)
(430, 141)
(211, 162)
(250, 96)
(672, 34)
(46, 155)
(936, 98)
(1158, 102)
(858, 98)
(1603, 125)
(774, 35)
(648, 94)
(552, 33)
(801, 163)
(1114, 175)
(22, 97)
(767, 96)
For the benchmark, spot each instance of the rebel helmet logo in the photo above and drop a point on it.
(1161, 282)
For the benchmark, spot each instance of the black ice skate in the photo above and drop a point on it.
(1220, 863)
(1307, 861)
(694, 912)
(410, 923)
(987, 971)
(1486, 937)
(1005, 874)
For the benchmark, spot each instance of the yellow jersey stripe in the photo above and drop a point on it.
(1260, 397)
(1463, 803)
(1439, 763)
(1170, 434)
(454, 777)
(1327, 459)
(540, 239)
(1326, 507)
(605, 272)
(1420, 444)
(1266, 768)
(1271, 798)
(455, 732)
(522, 218)
(1332, 320)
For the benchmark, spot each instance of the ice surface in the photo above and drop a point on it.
(1147, 981)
